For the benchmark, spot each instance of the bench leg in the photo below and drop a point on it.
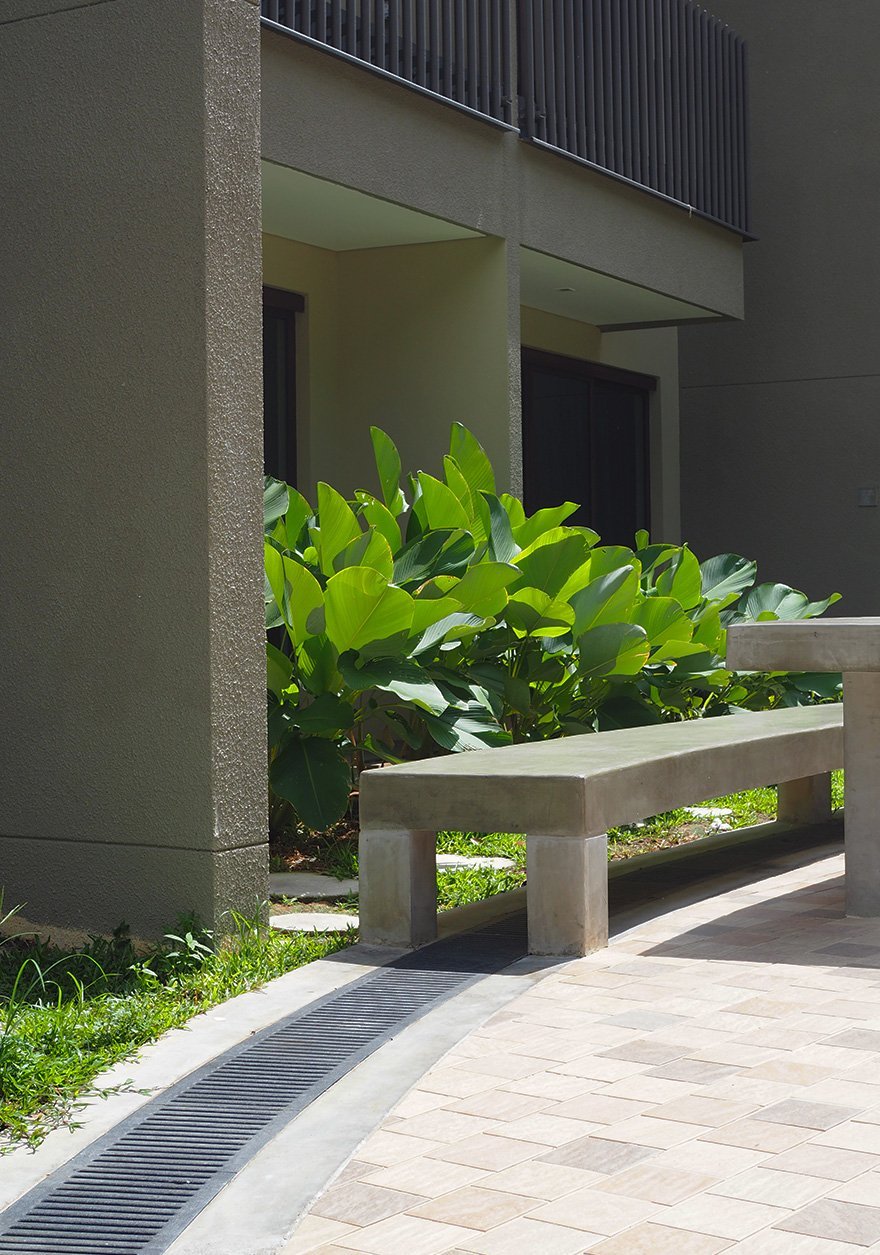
(567, 894)
(398, 887)
(805, 801)
(861, 816)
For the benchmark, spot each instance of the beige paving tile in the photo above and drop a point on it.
(791, 1070)
(502, 1066)
(694, 1071)
(646, 1131)
(407, 1234)
(656, 1239)
(357, 1203)
(527, 1237)
(599, 1108)
(725, 1160)
(657, 1183)
(499, 1104)
(475, 1208)
(852, 1136)
(863, 1189)
(388, 1148)
(766, 1185)
(598, 1154)
(552, 1086)
(313, 1232)
(647, 1089)
(491, 1153)
(776, 1242)
(699, 1109)
(807, 1115)
(542, 1180)
(543, 1127)
(732, 1218)
(425, 1177)
(736, 1054)
(756, 1134)
(417, 1102)
(836, 1220)
(456, 1084)
(596, 1212)
(645, 1050)
(843, 1091)
(825, 1161)
(596, 1068)
(443, 1126)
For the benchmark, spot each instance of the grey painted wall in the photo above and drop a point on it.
(132, 693)
(781, 414)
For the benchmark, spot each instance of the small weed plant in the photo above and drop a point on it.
(66, 1015)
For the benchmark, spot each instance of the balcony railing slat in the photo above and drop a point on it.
(652, 91)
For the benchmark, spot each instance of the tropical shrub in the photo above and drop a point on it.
(451, 620)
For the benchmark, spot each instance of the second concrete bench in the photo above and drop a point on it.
(564, 795)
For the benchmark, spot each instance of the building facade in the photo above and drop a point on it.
(498, 213)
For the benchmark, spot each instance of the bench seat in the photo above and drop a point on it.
(564, 795)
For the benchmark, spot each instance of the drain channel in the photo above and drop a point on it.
(140, 1185)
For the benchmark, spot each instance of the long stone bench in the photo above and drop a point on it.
(564, 795)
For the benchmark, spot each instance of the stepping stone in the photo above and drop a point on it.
(454, 862)
(313, 922)
(708, 812)
(309, 885)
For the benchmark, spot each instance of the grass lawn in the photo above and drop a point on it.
(65, 1016)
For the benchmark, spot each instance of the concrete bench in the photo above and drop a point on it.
(564, 795)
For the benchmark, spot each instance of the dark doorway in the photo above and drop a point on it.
(586, 439)
(279, 382)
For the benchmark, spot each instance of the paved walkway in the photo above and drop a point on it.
(710, 1082)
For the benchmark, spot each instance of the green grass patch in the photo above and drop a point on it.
(66, 1015)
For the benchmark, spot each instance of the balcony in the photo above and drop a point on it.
(649, 92)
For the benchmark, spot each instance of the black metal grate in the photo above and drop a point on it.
(137, 1188)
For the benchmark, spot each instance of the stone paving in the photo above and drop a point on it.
(709, 1082)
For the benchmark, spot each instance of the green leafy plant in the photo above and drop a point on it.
(439, 617)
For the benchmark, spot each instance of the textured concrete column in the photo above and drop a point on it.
(567, 894)
(805, 801)
(132, 739)
(861, 751)
(398, 886)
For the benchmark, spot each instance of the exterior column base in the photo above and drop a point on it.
(398, 887)
(567, 894)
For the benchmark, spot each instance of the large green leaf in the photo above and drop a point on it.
(778, 601)
(472, 460)
(304, 596)
(682, 579)
(404, 678)
(316, 660)
(328, 714)
(613, 649)
(362, 607)
(551, 561)
(608, 599)
(279, 670)
(388, 467)
(370, 549)
(453, 627)
(496, 520)
(607, 558)
(438, 506)
(725, 576)
(312, 775)
(466, 730)
(543, 521)
(298, 514)
(337, 523)
(482, 588)
(430, 610)
(533, 612)
(274, 501)
(441, 552)
(380, 517)
(663, 620)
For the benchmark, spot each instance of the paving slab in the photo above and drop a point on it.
(314, 922)
(710, 1081)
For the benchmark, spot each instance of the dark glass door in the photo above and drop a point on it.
(586, 439)
(279, 382)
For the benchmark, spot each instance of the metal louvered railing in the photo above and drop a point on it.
(653, 92)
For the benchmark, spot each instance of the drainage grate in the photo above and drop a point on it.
(140, 1185)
